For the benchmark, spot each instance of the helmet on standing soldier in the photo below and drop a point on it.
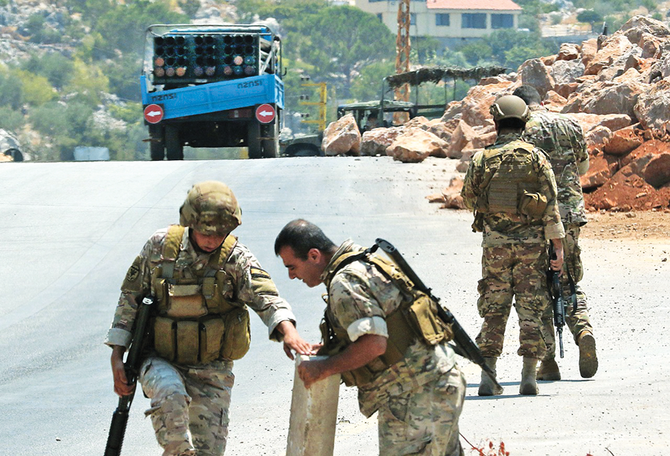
(510, 107)
(211, 209)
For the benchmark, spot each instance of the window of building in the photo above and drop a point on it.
(473, 20)
(442, 19)
(412, 18)
(380, 17)
(499, 21)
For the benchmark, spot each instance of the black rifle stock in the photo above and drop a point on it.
(465, 346)
(117, 429)
(558, 303)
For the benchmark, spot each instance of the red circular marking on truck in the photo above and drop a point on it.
(153, 113)
(265, 113)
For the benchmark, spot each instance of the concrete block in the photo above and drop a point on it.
(313, 415)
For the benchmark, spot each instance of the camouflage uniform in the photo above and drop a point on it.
(514, 261)
(563, 140)
(420, 397)
(189, 404)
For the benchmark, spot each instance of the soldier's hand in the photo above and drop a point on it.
(557, 262)
(121, 386)
(292, 340)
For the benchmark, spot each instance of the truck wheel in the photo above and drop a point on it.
(271, 146)
(173, 146)
(15, 154)
(253, 139)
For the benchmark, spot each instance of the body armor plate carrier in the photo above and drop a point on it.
(415, 318)
(194, 323)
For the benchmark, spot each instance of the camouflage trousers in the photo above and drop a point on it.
(578, 322)
(513, 272)
(424, 421)
(189, 405)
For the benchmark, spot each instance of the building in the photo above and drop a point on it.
(450, 21)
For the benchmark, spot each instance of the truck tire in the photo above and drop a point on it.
(15, 154)
(173, 145)
(156, 143)
(271, 146)
(253, 139)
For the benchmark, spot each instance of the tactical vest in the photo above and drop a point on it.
(510, 183)
(194, 324)
(415, 318)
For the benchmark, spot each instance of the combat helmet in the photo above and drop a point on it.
(510, 107)
(211, 209)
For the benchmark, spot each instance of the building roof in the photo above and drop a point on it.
(497, 5)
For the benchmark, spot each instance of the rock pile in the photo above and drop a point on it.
(617, 87)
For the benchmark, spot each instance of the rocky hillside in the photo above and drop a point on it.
(617, 87)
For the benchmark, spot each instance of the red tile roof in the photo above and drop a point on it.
(506, 5)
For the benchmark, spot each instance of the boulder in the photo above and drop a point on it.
(598, 135)
(460, 138)
(342, 137)
(566, 72)
(606, 97)
(623, 142)
(636, 27)
(414, 145)
(568, 51)
(600, 171)
(657, 171)
(535, 73)
(375, 141)
(653, 107)
(614, 47)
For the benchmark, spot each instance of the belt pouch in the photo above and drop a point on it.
(187, 342)
(164, 338)
(211, 336)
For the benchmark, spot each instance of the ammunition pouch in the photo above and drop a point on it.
(405, 325)
(204, 340)
(532, 205)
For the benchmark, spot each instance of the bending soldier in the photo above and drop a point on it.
(511, 188)
(203, 281)
(563, 140)
(417, 388)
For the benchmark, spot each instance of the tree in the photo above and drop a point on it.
(54, 66)
(589, 17)
(348, 39)
(368, 85)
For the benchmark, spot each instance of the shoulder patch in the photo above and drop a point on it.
(132, 279)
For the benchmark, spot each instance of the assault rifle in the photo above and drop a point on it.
(117, 429)
(557, 301)
(464, 345)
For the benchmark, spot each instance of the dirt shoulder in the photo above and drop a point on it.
(637, 225)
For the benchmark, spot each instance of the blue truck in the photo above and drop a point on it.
(212, 86)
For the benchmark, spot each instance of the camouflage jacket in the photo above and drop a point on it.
(242, 269)
(561, 137)
(359, 298)
(502, 228)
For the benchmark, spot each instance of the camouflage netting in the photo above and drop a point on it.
(437, 74)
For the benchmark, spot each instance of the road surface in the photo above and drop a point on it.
(70, 231)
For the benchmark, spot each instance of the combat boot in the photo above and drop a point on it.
(528, 385)
(486, 386)
(548, 370)
(588, 361)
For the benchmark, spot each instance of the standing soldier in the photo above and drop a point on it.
(202, 280)
(511, 189)
(416, 387)
(561, 137)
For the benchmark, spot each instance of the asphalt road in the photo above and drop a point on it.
(70, 231)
